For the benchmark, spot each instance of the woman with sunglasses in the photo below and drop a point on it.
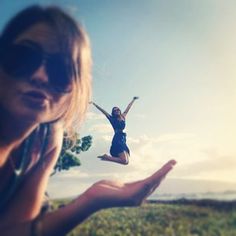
(119, 150)
(44, 78)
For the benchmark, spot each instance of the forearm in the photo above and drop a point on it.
(66, 218)
(26, 203)
(131, 103)
(129, 106)
(27, 200)
(100, 109)
(59, 222)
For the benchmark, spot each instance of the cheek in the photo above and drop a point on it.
(60, 105)
(7, 86)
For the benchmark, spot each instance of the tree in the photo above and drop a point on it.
(72, 146)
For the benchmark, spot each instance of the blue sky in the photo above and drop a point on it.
(180, 58)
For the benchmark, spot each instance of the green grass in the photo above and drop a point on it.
(157, 219)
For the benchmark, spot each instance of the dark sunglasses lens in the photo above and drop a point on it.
(60, 75)
(21, 60)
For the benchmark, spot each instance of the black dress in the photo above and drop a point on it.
(119, 139)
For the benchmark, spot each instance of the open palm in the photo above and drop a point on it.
(108, 193)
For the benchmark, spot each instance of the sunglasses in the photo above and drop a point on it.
(22, 60)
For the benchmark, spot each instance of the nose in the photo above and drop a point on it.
(40, 77)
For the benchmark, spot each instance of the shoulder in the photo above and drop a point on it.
(50, 141)
(46, 143)
(123, 115)
(109, 117)
(54, 137)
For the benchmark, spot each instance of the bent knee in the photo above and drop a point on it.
(125, 161)
(124, 157)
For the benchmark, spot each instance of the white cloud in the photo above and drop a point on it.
(194, 159)
(94, 116)
(148, 154)
(72, 173)
(215, 167)
(173, 137)
(140, 115)
(101, 128)
(106, 138)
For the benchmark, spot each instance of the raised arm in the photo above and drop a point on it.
(129, 106)
(101, 109)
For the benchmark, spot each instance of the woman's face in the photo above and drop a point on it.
(33, 97)
(116, 111)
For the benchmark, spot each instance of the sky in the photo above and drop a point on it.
(179, 57)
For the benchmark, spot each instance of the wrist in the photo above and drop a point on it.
(86, 204)
(66, 218)
(90, 200)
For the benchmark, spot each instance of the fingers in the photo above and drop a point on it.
(144, 188)
(158, 176)
(168, 166)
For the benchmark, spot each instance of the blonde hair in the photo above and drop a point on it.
(81, 90)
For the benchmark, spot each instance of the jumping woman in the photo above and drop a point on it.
(45, 87)
(119, 150)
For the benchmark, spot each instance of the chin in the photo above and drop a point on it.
(25, 114)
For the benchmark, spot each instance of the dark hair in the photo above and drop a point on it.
(112, 112)
(69, 34)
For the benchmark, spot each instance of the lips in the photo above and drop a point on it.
(35, 98)
(36, 95)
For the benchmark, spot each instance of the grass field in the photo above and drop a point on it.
(180, 218)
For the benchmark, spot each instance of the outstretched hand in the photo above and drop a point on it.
(108, 193)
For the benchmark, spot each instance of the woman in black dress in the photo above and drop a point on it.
(45, 87)
(119, 150)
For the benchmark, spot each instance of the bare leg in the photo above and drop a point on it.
(123, 158)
